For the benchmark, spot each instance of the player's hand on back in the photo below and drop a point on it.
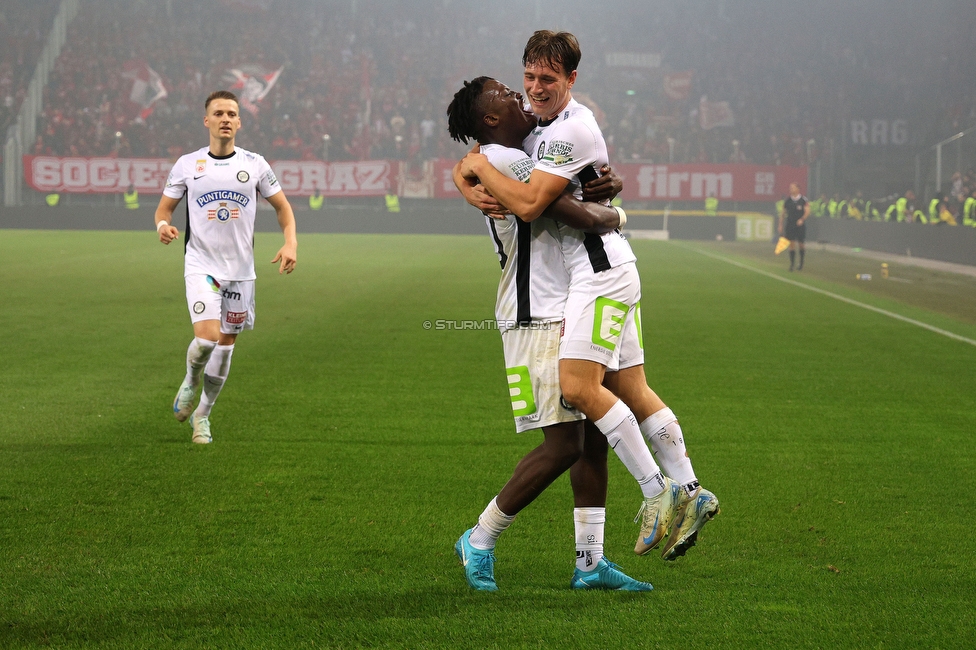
(604, 188)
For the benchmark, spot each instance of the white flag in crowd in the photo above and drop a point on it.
(252, 84)
(713, 114)
(147, 88)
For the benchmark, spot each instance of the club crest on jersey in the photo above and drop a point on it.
(243, 176)
(223, 213)
(201, 166)
(223, 195)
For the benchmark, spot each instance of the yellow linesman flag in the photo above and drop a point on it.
(782, 245)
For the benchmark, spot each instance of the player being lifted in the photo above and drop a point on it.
(601, 353)
(529, 308)
(221, 183)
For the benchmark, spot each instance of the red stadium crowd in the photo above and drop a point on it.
(375, 77)
(24, 28)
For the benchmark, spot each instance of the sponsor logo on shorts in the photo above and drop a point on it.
(236, 317)
(213, 283)
(230, 295)
(520, 390)
(198, 307)
(243, 176)
(608, 321)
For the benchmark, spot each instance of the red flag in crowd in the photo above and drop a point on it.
(253, 82)
(713, 114)
(147, 88)
(677, 85)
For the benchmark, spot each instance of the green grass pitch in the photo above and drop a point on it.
(352, 447)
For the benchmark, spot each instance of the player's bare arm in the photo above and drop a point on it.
(527, 200)
(588, 217)
(164, 219)
(604, 188)
(287, 254)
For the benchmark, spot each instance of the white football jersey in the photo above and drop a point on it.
(571, 145)
(221, 201)
(534, 282)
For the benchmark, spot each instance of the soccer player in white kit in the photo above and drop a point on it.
(221, 183)
(601, 352)
(529, 309)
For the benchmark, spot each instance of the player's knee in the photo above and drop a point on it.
(564, 444)
(567, 453)
(576, 393)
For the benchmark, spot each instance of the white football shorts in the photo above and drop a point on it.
(532, 365)
(602, 319)
(229, 301)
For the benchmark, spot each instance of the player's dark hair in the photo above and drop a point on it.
(464, 112)
(547, 47)
(220, 94)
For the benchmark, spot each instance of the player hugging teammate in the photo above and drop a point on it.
(585, 279)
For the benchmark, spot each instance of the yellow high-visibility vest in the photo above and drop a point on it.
(131, 200)
(315, 202)
(711, 206)
(52, 199)
(392, 203)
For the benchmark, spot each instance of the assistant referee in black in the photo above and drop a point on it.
(793, 216)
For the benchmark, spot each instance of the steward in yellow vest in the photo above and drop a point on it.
(711, 206)
(131, 198)
(316, 200)
(969, 211)
(934, 209)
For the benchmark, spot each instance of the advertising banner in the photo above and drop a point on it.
(642, 182)
(692, 182)
(148, 175)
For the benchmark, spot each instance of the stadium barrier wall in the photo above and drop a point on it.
(363, 215)
(942, 242)
(415, 217)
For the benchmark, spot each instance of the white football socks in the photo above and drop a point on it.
(491, 524)
(590, 523)
(620, 427)
(197, 356)
(664, 433)
(214, 376)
